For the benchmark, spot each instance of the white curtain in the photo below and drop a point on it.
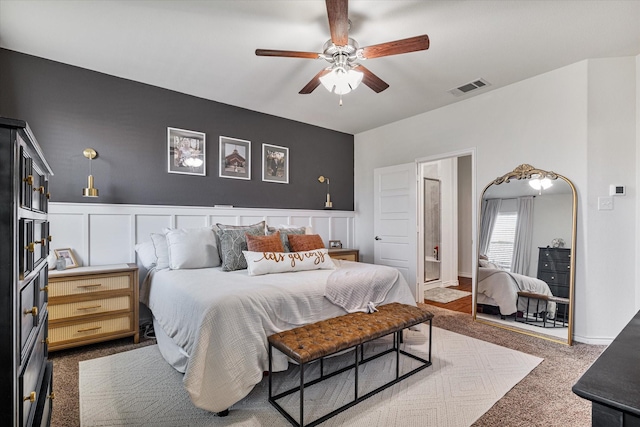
(490, 209)
(524, 235)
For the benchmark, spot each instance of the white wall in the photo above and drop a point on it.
(465, 207)
(550, 122)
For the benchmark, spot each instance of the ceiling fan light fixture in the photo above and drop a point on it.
(340, 81)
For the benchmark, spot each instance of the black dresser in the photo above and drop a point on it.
(611, 383)
(25, 372)
(554, 267)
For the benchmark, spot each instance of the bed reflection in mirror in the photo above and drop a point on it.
(526, 265)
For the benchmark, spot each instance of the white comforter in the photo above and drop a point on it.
(221, 320)
(503, 286)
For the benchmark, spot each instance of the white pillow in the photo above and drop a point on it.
(259, 263)
(192, 248)
(162, 250)
(147, 254)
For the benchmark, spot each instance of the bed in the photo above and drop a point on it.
(499, 288)
(213, 324)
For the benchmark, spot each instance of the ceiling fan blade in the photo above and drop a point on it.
(287, 53)
(411, 44)
(314, 83)
(337, 11)
(371, 80)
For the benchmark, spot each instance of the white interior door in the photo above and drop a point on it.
(395, 225)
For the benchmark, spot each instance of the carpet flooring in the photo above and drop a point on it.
(542, 398)
(468, 376)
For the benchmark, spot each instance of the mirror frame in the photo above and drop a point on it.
(526, 171)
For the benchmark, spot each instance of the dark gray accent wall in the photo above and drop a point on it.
(70, 109)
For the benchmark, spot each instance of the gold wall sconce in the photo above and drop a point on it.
(328, 204)
(90, 191)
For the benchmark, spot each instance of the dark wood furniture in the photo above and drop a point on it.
(346, 254)
(611, 383)
(25, 373)
(93, 304)
(313, 342)
(554, 267)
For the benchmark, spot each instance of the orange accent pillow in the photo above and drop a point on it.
(271, 243)
(305, 242)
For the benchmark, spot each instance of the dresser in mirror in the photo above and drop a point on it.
(526, 263)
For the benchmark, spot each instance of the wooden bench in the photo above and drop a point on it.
(327, 337)
(539, 300)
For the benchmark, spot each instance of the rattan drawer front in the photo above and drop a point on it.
(346, 257)
(88, 285)
(88, 329)
(83, 308)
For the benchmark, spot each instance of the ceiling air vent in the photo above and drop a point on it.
(469, 87)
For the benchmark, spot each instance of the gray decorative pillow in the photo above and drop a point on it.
(232, 242)
(283, 234)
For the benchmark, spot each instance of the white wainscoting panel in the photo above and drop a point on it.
(102, 234)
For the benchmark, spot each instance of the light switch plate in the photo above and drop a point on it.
(605, 203)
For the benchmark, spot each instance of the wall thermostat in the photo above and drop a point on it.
(617, 190)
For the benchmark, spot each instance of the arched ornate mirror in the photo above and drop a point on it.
(526, 265)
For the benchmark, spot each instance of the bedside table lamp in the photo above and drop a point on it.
(328, 204)
(90, 191)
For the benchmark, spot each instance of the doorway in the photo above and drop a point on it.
(446, 227)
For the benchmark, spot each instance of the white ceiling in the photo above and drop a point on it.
(206, 48)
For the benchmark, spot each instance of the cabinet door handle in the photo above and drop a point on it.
(33, 311)
(28, 179)
(95, 328)
(94, 285)
(31, 397)
(89, 307)
(31, 247)
(39, 189)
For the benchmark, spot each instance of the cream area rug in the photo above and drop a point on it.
(444, 295)
(138, 388)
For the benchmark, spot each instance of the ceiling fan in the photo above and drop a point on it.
(343, 53)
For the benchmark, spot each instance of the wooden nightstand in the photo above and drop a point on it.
(346, 254)
(92, 304)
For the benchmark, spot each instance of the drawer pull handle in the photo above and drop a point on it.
(28, 179)
(45, 341)
(49, 238)
(30, 247)
(45, 289)
(52, 396)
(33, 311)
(95, 328)
(48, 196)
(39, 189)
(89, 307)
(94, 285)
(31, 397)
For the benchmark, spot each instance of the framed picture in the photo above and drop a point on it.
(67, 255)
(235, 158)
(335, 244)
(186, 152)
(275, 164)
